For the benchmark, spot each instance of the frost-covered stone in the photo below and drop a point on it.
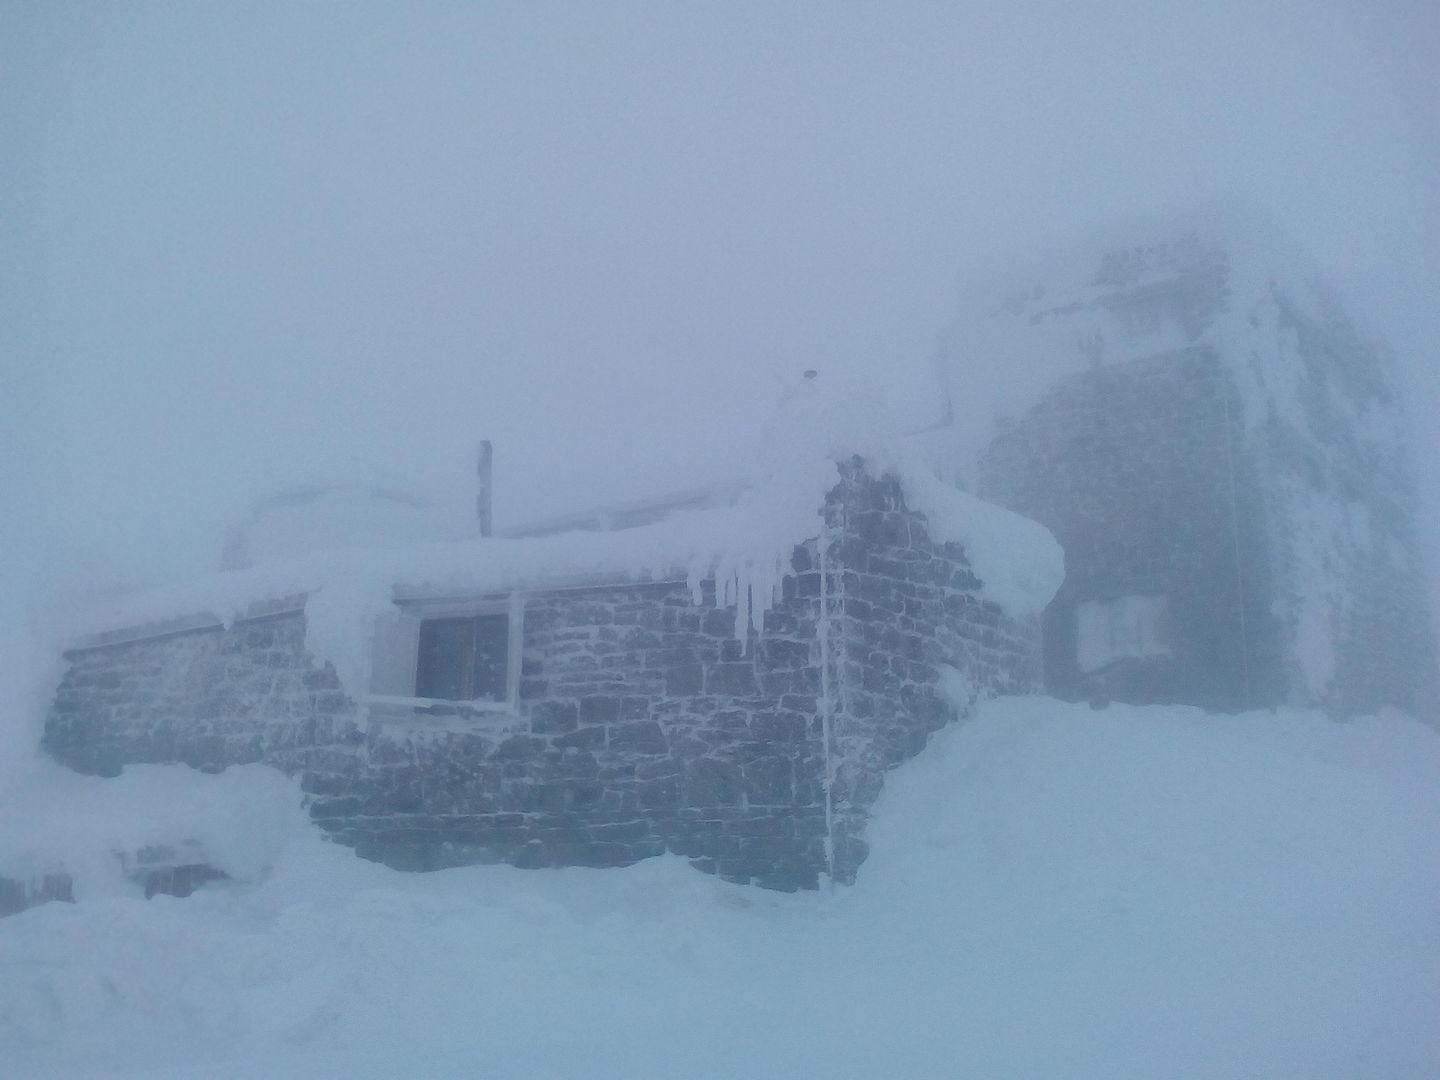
(639, 723)
(1222, 456)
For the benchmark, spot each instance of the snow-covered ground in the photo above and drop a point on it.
(1053, 892)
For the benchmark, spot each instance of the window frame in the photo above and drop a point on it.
(1132, 627)
(404, 627)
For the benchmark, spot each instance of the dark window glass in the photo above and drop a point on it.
(463, 659)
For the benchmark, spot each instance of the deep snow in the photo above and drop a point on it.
(1053, 892)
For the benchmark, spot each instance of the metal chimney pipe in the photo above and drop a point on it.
(482, 498)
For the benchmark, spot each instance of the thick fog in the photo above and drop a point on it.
(253, 245)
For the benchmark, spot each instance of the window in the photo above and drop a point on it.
(463, 658)
(1126, 628)
(429, 653)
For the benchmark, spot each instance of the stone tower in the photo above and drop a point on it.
(1223, 457)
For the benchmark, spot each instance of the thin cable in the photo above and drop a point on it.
(1235, 540)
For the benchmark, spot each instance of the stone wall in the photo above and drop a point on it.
(207, 698)
(1344, 509)
(906, 609)
(1141, 471)
(16, 894)
(642, 726)
(1286, 552)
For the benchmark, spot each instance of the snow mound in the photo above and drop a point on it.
(53, 819)
(1120, 894)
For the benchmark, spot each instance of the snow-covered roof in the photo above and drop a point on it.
(1014, 557)
(745, 546)
(301, 521)
(632, 513)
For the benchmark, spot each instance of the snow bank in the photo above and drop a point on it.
(1053, 891)
(56, 820)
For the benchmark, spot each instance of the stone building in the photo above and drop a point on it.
(563, 700)
(728, 674)
(1223, 457)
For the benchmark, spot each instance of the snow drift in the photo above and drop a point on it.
(1053, 891)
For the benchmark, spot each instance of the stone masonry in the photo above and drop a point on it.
(1139, 470)
(643, 725)
(1254, 480)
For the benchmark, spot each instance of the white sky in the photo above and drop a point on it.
(249, 245)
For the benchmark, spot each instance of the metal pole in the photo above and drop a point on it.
(482, 498)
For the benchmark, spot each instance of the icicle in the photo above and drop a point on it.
(694, 580)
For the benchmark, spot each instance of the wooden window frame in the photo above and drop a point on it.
(399, 632)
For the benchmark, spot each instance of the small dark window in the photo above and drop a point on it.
(463, 659)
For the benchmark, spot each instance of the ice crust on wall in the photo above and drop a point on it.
(1349, 432)
(746, 547)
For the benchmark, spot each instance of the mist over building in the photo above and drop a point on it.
(1224, 457)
